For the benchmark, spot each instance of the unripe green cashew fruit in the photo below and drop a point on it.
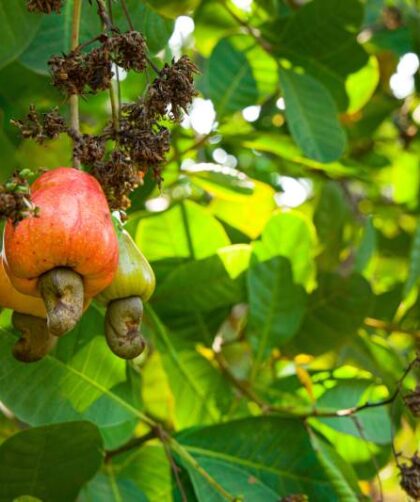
(133, 284)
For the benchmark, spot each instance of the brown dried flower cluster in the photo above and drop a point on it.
(118, 177)
(44, 6)
(173, 89)
(15, 198)
(41, 126)
(79, 73)
(128, 50)
(410, 477)
(88, 149)
(412, 401)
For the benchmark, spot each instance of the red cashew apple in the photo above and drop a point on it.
(68, 252)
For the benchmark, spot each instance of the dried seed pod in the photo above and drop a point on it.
(44, 6)
(410, 477)
(412, 401)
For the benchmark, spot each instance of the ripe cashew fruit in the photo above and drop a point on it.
(133, 283)
(69, 252)
(29, 317)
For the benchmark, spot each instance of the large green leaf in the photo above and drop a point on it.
(164, 235)
(374, 422)
(321, 37)
(331, 214)
(149, 469)
(50, 463)
(18, 29)
(199, 286)
(341, 475)
(274, 453)
(312, 116)
(52, 391)
(105, 488)
(196, 385)
(291, 235)
(277, 304)
(336, 309)
(231, 82)
(414, 263)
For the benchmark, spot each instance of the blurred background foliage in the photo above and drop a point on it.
(286, 244)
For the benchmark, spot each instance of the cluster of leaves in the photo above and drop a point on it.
(269, 323)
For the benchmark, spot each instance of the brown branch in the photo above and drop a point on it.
(127, 15)
(370, 322)
(74, 98)
(130, 445)
(103, 14)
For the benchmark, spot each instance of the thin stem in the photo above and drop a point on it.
(187, 230)
(127, 15)
(130, 445)
(112, 91)
(74, 98)
(103, 14)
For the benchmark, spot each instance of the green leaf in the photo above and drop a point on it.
(274, 453)
(173, 8)
(233, 479)
(361, 85)
(366, 247)
(163, 235)
(331, 214)
(51, 463)
(196, 385)
(149, 469)
(291, 235)
(219, 179)
(277, 304)
(105, 488)
(321, 38)
(336, 309)
(231, 82)
(312, 116)
(414, 263)
(18, 29)
(374, 423)
(341, 474)
(199, 286)
(49, 391)
(406, 178)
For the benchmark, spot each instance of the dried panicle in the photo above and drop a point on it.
(74, 72)
(412, 401)
(15, 198)
(128, 50)
(118, 178)
(41, 126)
(99, 67)
(88, 149)
(69, 72)
(410, 477)
(44, 6)
(174, 89)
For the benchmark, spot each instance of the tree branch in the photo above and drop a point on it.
(74, 98)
